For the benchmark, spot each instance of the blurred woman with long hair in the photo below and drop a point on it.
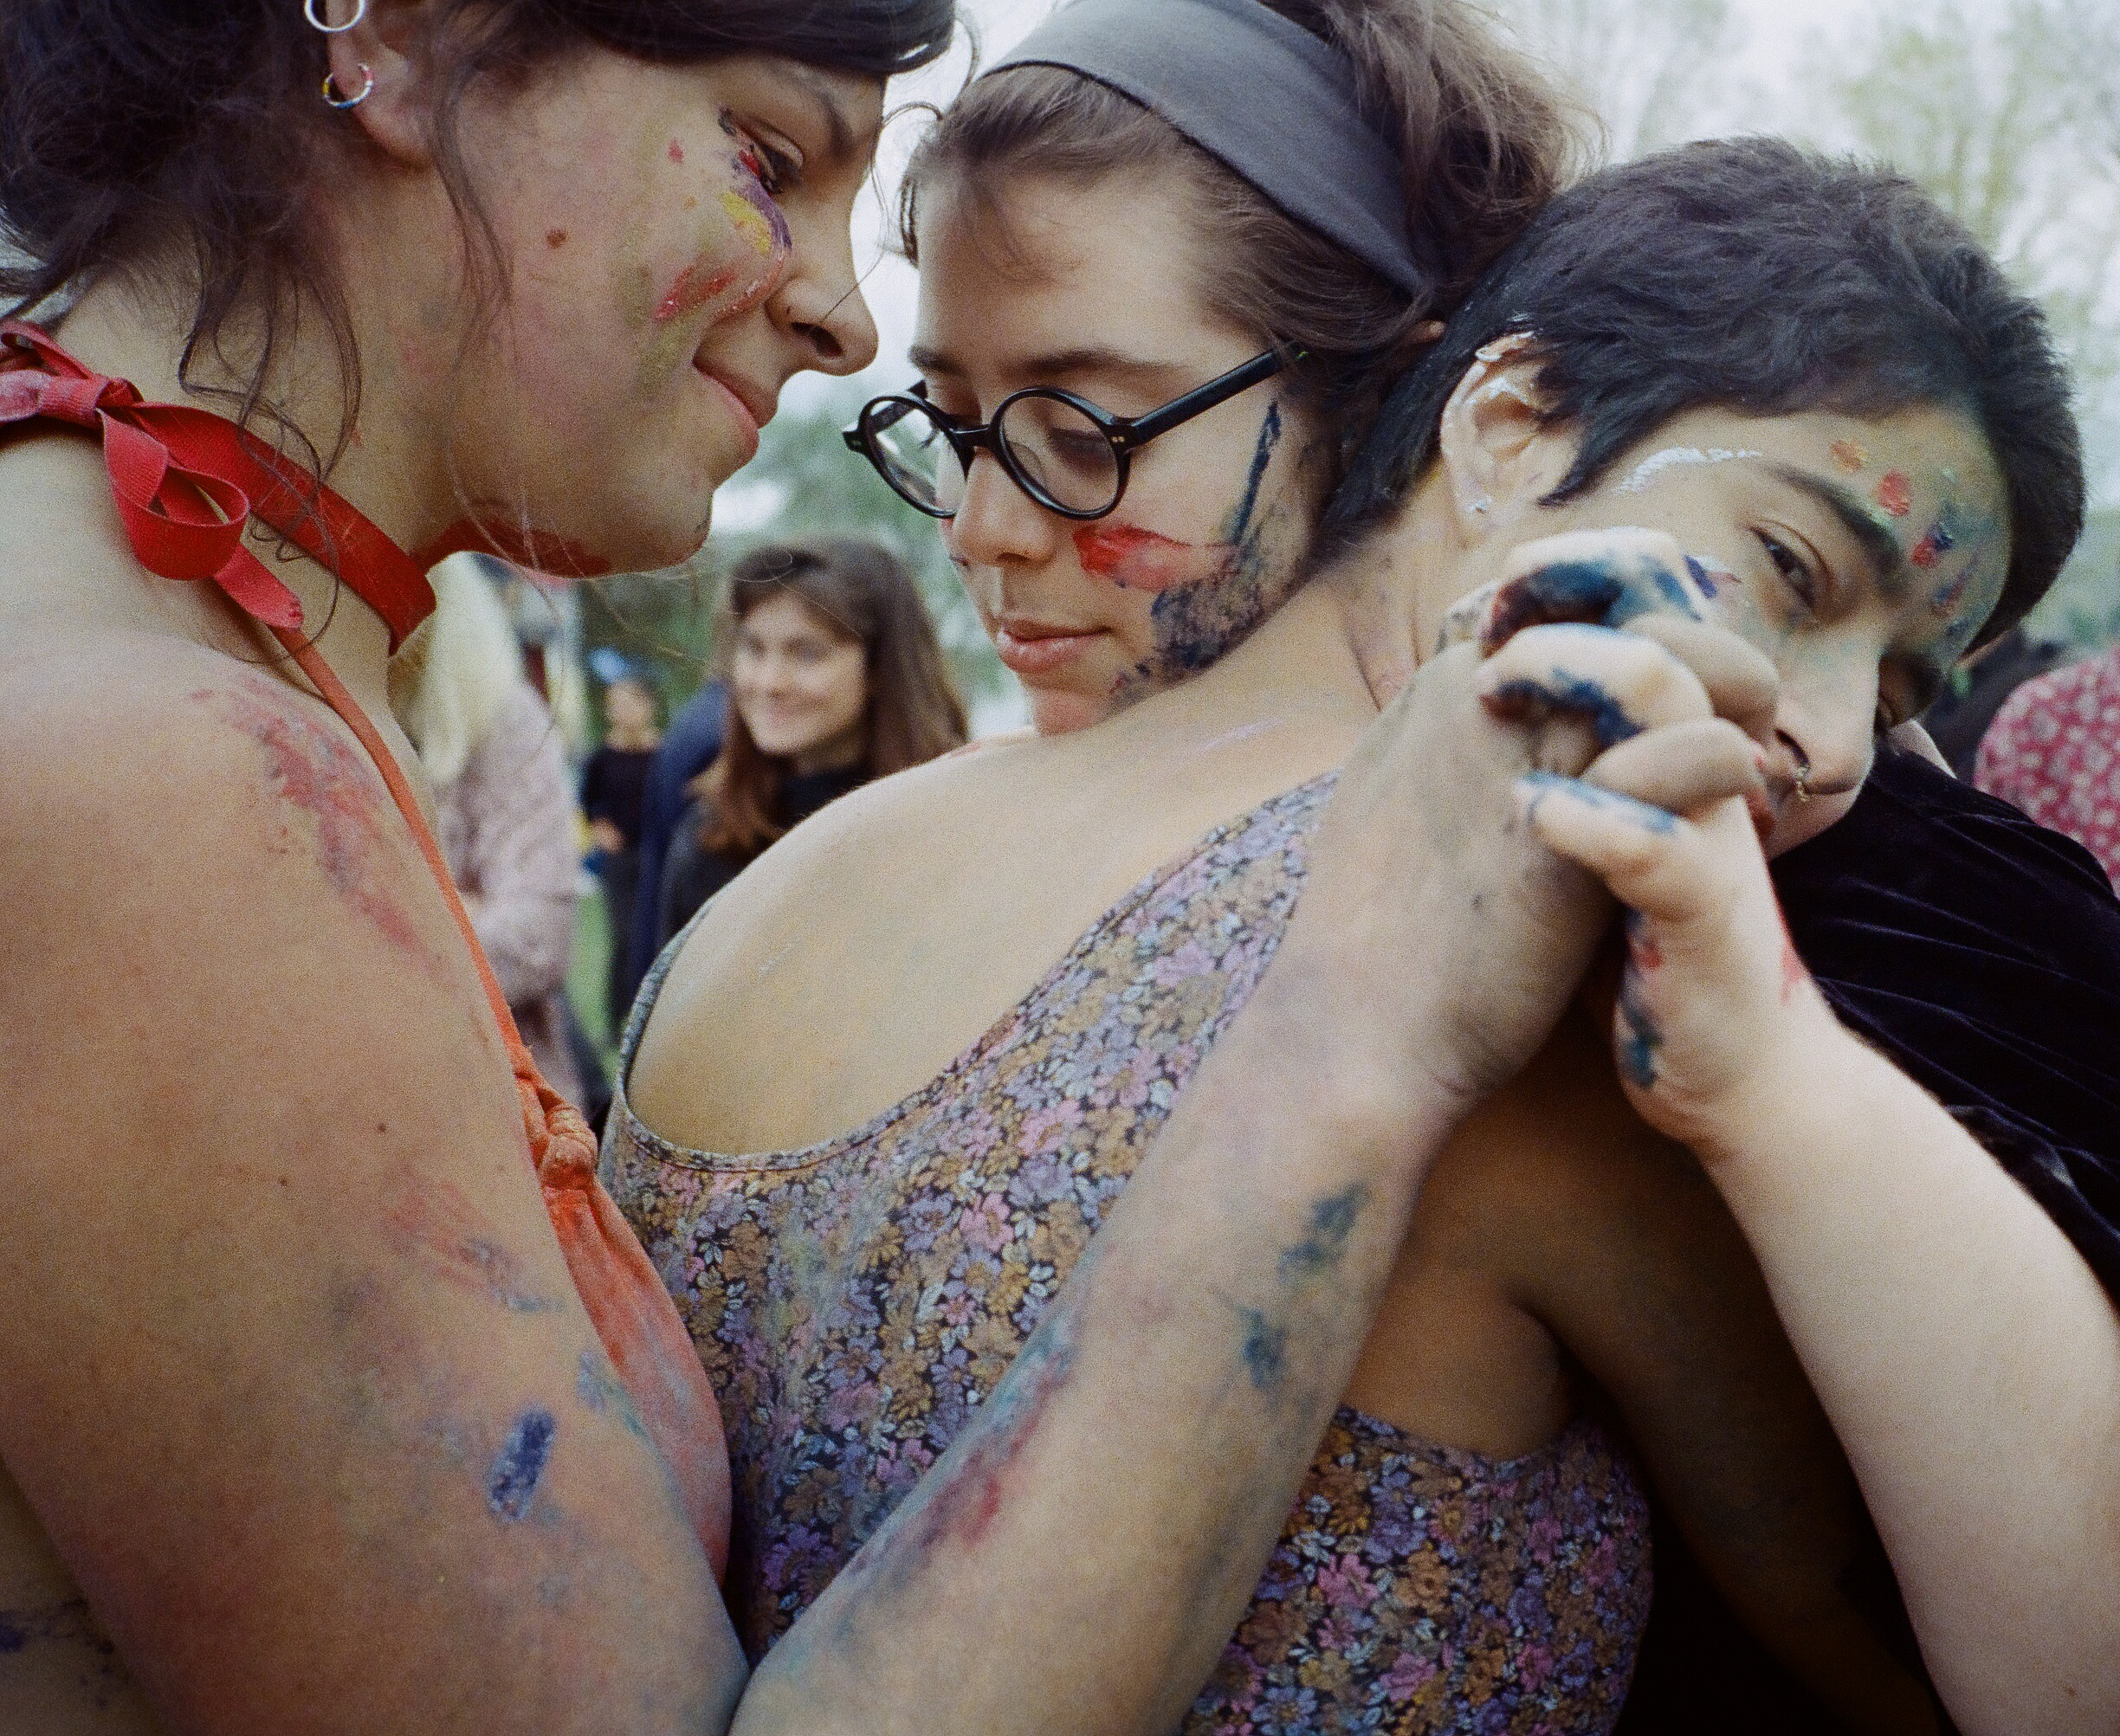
(836, 677)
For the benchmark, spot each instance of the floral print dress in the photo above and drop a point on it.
(854, 1301)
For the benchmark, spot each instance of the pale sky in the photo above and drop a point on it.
(1775, 33)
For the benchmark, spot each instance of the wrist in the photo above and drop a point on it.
(1803, 1070)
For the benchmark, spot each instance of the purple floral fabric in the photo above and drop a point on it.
(854, 1301)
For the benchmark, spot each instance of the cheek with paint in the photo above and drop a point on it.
(742, 251)
(1137, 559)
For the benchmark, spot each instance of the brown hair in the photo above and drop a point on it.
(863, 592)
(1484, 141)
(186, 145)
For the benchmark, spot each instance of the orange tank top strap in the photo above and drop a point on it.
(186, 482)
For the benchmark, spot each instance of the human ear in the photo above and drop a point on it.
(1499, 455)
(378, 55)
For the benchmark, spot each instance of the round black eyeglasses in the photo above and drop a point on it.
(1060, 449)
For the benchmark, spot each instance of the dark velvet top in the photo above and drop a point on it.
(1982, 953)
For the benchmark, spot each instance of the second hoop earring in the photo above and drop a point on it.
(352, 99)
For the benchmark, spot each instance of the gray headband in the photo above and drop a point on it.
(1259, 93)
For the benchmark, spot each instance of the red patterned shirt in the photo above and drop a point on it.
(2054, 751)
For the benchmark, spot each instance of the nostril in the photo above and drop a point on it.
(829, 350)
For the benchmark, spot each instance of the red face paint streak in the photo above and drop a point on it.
(1136, 559)
(1849, 455)
(542, 551)
(676, 152)
(1643, 949)
(695, 287)
(334, 785)
(435, 1226)
(555, 237)
(1895, 494)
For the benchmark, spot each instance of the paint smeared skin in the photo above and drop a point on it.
(1895, 493)
(1263, 1347)
(1562, 692)
(1653, 466)
(1852, 457)
(1640, 1038)
(435, 1226)
(1197, 624)
(696, 285)
(1642, 814)
(1137, 559)
(512, 1485)
(1604, 593)
(596, 1385)
(355, 824)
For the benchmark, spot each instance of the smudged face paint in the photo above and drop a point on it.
(649, 218)
(1209, 539)
(1860, 554)
(434, 1228)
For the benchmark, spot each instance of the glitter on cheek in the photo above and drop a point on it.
(1895, 494)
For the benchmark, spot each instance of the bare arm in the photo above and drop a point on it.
(1966, 1355)
(1615, 1238)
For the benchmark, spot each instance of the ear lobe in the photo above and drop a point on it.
(376, 56)
(1492, 432)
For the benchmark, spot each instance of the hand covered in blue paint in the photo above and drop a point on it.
(1447, 917)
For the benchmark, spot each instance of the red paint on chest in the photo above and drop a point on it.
(696, 285)
(1143, 560)
(1895, 494)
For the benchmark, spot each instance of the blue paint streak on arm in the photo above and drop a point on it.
(519, 1464)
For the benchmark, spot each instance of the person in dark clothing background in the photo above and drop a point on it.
(835, 677)
(690, 744)
(613, 783)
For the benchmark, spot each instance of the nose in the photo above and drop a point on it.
(998, 523)
(1827, 738)
(820, 305)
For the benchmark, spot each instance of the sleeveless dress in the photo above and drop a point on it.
(855, 1301)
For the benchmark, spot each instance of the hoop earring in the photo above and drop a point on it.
(330, 90)
(309, 11)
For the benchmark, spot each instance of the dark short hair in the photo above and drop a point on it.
(1750, 274)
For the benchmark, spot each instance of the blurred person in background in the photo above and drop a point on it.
(689, 745)
(614, 785)
(504, 811)
(836, 678)
(1958, 721)
(2054, 751)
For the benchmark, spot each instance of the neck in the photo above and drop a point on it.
(836, 755)
(132, 337)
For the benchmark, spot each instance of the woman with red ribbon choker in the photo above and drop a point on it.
(334, 1393)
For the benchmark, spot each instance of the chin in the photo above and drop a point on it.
(1054, 713)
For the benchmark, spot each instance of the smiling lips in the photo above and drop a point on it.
(1038, 648)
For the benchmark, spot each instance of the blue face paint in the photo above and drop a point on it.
(519, 1464)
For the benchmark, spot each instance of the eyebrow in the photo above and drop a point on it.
(1087, 359)
(840, 129)
(1879, 547)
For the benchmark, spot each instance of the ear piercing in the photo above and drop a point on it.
(309, 11)
(332, 98)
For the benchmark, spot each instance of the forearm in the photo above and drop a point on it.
(1970, 1363)
(1082, 1555)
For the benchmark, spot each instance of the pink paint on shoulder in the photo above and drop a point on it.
(1138, 559)
(344, 798)
(1895, 494)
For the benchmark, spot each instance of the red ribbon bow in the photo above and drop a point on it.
(186, 481)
